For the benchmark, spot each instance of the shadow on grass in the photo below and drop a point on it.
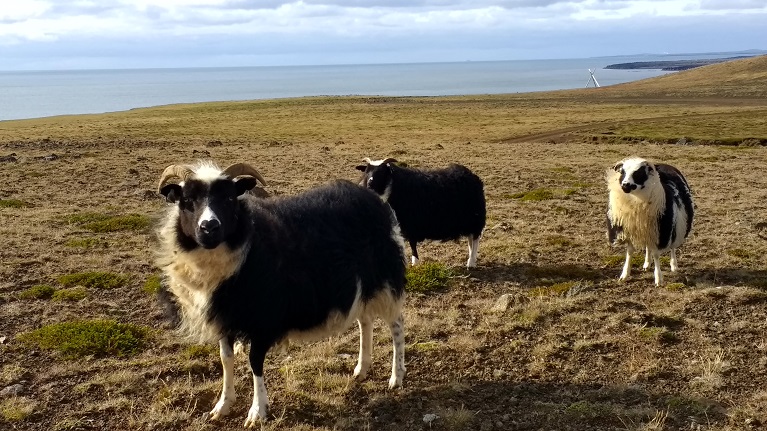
(493, 272)
(729, 276)
(532, 406)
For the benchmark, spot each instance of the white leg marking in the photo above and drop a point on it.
(257, 411)
(658, 274)
(398, 353)
(413, 260)
(627, 264)
(227, 393)
(674, 266)
(646, 258)
(366, 347)
(473, 251)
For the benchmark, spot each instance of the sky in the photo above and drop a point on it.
(111, 34)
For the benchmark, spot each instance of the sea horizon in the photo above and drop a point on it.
(44, 93)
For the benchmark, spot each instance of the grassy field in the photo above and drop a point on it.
(541, 335)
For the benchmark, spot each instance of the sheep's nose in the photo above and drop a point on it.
(210, 226)
(627, 188)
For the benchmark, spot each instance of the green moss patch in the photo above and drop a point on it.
(14, 203)
(86, 243)
(427, 277)
(16, 409)
(71, 295)
(558, 289)
(97, 338)
(41, 291)
(199, 351)
(94, 279)
(104, 223)
(152, 285)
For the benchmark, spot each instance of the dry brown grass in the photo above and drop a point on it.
(574, 350)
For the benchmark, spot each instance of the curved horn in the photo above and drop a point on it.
(389, 160)
(238, 169)
(174, 171)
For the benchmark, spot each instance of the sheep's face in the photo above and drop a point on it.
(208, 208)
(376, 175)
(635, 174)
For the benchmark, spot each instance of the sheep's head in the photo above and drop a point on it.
(634, 174)
(207, 199)
(376, 175)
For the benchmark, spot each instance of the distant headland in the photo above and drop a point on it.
(672, 65)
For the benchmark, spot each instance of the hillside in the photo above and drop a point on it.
(738, 78)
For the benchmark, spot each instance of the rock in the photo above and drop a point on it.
(214, 144)
(2, 339)
(10, 158)
(50, 157)
(428, 418)
(503, 303)
(133, 171)
(12, 390)
(753, 423)
(345, 356)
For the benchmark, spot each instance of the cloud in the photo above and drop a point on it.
(99, 33)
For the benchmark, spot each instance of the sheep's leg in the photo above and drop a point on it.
(257, 412)
(674, 266)
(366, 347)
(627, 264)
(646, 258)
(414, 258)
(227, 393)
(658, 274)
(398, 352)
(473, 250)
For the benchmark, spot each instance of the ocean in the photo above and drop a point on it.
(34, 94)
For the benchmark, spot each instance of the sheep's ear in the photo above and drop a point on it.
(649, 168)
(243, 183)
(362, 168)
(172, 192)
(618, 166)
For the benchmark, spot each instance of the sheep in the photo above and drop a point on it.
(441, 204)
(273, 270)
(650, 206)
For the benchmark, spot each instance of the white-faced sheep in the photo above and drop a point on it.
(440, 204)
(650, 206)
(273, 270)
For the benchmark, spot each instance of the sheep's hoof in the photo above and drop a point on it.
(221, 409)
(255, 417)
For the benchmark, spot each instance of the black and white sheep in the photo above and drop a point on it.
(440, 204)
(273, 270)
(650, 207)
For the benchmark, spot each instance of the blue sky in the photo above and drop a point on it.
(81, 34)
